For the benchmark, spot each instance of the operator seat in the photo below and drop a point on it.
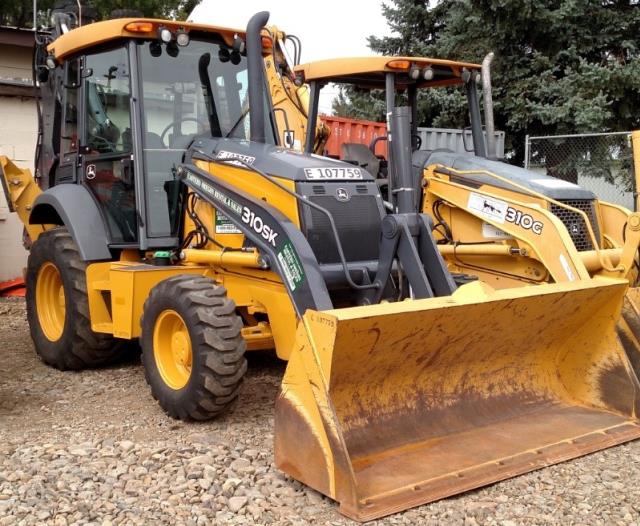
(153, 141)
(362, 155)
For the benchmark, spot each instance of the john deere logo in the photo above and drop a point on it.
(574, 228)
(342, 195)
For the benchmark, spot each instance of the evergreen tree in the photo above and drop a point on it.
(561, 66)
(20, 14)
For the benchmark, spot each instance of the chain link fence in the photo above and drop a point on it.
(600, 162)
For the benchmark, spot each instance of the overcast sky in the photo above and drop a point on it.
(327, 29)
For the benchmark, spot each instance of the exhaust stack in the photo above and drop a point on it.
(488, 106)
(256, 74)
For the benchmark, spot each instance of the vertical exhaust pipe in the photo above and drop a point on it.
(256, 75)
(488, 106)
(401, 179)
(471, 79)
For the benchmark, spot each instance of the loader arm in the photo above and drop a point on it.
(547, 240)
(538, 233)
(282, 242)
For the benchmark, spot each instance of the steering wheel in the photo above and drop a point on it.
(374, 142)
(173, 124)
(100, 144)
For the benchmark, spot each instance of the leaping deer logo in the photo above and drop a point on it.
(342, 195)
(488, 207)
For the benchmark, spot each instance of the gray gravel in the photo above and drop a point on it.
(94, 448)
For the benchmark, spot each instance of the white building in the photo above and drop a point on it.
(18, 133)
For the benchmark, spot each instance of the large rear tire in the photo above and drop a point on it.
(192, 347)
(58, 307)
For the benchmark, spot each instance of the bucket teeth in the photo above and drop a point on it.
(389, 406)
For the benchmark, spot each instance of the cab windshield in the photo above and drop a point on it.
(197, 90)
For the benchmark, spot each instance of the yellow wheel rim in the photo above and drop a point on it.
(50, 304)
(172, 349)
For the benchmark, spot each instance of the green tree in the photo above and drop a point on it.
(561, 66)
(20, 14)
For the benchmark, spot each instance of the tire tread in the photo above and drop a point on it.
(81, 347)
(215, 332)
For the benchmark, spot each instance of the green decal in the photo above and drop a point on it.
(224, 225)
(291, 265)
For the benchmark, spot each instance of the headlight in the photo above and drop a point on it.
(182, 37)
(165, 34)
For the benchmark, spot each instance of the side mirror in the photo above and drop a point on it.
(42, 74)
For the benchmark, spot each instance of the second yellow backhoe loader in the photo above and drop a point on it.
(506, 226)
(405, 383)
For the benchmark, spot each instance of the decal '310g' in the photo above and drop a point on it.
(500, 211)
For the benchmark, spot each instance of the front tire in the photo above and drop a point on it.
(192, 347)
(58, 307)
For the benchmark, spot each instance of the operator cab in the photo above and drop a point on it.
(399, 78)
(132, 105)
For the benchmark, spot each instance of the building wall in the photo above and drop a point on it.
(15, 63)
(18, 130)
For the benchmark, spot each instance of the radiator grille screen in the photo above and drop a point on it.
(357, 221)
(575, 224)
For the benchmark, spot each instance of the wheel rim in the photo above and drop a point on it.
(50, 301)
(172, 349)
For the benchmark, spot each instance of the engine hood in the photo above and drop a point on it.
(543, 184)
(276, 161)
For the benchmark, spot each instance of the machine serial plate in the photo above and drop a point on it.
(333, 173)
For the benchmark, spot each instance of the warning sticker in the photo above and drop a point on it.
(567, 268)
(291, 266)
(491, 208)
(224, 225)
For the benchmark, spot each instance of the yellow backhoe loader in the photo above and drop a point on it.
(506, 226)
(167, 211)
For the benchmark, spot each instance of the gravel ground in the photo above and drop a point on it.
(94, 448)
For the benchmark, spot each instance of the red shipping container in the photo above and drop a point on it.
(344, 129)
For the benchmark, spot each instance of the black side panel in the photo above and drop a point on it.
(79, 213)
(277, 238)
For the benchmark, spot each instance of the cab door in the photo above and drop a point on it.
(107, 147)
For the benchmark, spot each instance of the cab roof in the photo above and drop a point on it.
(91, 35)
(370, 72)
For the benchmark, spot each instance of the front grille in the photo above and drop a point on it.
(357, 220)
(575, 224)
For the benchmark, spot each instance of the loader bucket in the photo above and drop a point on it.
(629, 328)
(390, 406)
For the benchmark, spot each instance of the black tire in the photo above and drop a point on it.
(78, 347)
(218, 363)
